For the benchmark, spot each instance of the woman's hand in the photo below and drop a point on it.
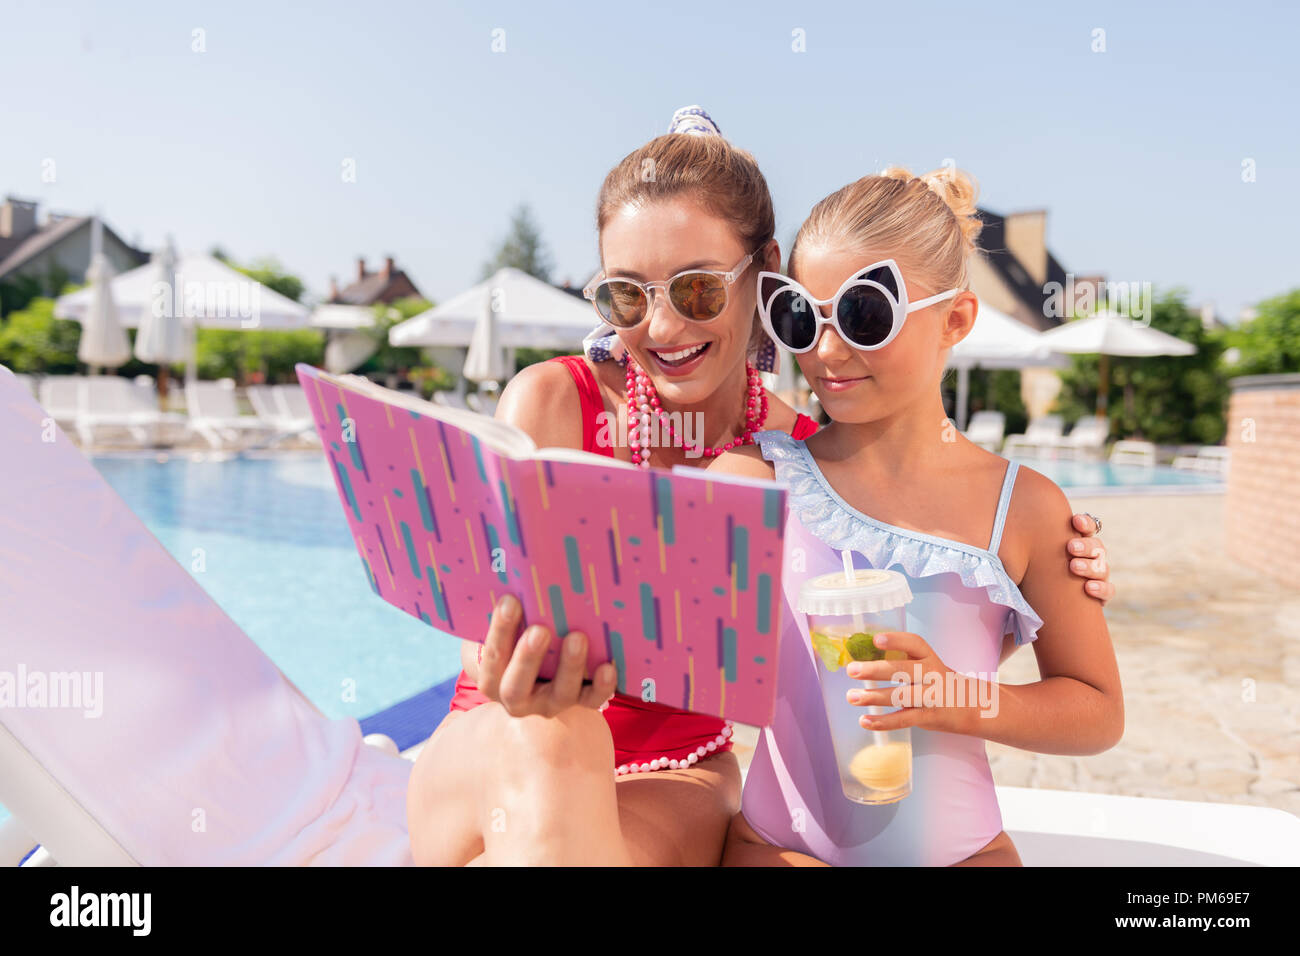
(1088, 559)
(930, 694)
(507, 670)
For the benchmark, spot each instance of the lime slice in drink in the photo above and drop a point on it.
(861, 647)
(830, 650)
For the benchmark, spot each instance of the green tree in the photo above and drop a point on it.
(522, 248)
(1164, 399)
(271, 274)
(1270, 342)
(996, 390)
(34, 341)
(390, 359)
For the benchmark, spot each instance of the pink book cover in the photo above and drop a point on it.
(674, 576)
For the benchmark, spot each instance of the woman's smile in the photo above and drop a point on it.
(679, 360)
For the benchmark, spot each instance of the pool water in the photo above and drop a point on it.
(268, 540)
(1087, 476)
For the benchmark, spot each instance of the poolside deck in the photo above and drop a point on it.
(1210, 661)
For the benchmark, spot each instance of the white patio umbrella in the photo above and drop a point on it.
(348, 342)
(486, 361)
(162, 338)
(207, 293)
(104, 342)
(529, 313)
(996, 341)
(1107, 334)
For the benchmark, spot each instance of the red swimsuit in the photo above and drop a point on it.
(646, 736)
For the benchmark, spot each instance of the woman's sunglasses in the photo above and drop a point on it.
(868, 311)
(698, 294)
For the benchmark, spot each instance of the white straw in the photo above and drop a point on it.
(849, 576)
(878, 737)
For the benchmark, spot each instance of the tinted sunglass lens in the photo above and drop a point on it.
(793, 320)
(698, 295)
(866, 316)
(620, 304)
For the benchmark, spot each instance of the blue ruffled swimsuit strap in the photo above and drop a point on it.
(1004, 503)
(836, 523)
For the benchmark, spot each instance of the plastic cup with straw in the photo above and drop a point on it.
(845, 612)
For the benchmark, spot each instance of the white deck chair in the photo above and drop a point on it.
(1042, 436)
(986, 429)
(204, 753)
(60, 396)
(1087, 439)
(109, 401)
(1063, 828)
(481, 402)
(272, 408)
(1212, 459)
(27, 382)
(215, 415)
(1131, 452)
(451, 400)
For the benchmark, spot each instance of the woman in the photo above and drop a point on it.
(520, 771)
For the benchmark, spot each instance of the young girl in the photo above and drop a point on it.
(877, 295)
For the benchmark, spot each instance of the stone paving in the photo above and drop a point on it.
(1209, 656)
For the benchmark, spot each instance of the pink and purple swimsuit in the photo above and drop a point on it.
(963, 604)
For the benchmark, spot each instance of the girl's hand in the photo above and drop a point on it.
(929, 694)
(507, 670)
(1088, 559)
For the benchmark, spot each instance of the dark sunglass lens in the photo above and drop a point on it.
(793, 320)
(698, 295)
(620, 303)
(885, 276)
(866, 316)
(767, 287)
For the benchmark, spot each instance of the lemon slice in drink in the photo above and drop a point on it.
(883, 766)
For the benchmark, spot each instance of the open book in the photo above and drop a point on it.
(674, 576)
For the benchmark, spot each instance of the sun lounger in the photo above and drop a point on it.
(1132, 452)
(482, 403)
(26, 381)
(1041, 437)
(215, 415)
(1212, 459)
(986, 429)
(271, 403)
(1063, 828)
(111, 402)
(451, 400)
(202, 752)
(1087, 439)
(60, 396)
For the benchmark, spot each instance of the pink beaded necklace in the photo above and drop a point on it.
(643, 404)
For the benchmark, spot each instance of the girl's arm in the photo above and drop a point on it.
(1077, 707)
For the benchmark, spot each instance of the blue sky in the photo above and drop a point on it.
(1136, 152)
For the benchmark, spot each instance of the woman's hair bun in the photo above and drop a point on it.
(693, 119)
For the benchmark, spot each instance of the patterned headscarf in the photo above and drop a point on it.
(602, 343)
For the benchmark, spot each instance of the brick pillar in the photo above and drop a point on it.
(1263, 501)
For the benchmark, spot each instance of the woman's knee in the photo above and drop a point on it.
(577, 738)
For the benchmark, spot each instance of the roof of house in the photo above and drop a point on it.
(376, 287)
(993, 244)
(15, 252)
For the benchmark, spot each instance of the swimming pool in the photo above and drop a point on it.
(1101, 477)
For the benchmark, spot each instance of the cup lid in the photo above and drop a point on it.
(870, 591)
